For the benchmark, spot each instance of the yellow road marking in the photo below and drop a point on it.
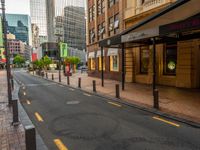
(115, 104)
(169, 122)
(38, 116)
(28, 102)
(87, 94)
(24, 93)
(60, 144)
(71, 89)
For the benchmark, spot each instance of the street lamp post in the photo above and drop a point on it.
(7, 52)
(59, 57)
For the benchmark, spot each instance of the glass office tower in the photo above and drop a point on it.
(38, 16)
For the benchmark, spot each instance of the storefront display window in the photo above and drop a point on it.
(170, 59)
(114, 63)
(144, 61)
(100, 68)
(92, 64)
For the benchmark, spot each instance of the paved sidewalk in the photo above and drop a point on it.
(12, 138)
(184, 103)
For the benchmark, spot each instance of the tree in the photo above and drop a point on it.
(18, 60)
(73, 61)
(46, 62)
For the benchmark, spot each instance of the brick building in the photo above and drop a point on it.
(155, 42)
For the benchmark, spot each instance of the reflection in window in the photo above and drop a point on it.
(92, 63)
(114, 63)
(170, 59)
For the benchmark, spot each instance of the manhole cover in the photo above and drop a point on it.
(72, 102)
(85, 126)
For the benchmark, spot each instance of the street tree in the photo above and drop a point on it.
(19, 60)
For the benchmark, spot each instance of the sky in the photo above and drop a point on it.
(17, 6)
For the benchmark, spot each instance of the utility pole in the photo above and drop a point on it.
(7, 53)
(59, 57)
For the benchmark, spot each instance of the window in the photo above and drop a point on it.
(92, 63)
(92, 36)
(144, 60)
(93, 12)
(170, 59)
(103, 63)
(112, 2)
(114, 63)
(111, 26)
(116, 23)
(101, 7)
(90, 14)
(101, 31)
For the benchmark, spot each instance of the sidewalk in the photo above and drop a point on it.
(12, 138)
(183, 103)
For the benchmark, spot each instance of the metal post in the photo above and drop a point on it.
(155, 91)
(7, 53)
(52, 76)
(15, 112)
(123, 67)
(46, 75)
(79, 82)
(30, 137)
(68, 82)
(59, 58)
(94, 85)
(102, 72)
(117, 91)
(12, 83)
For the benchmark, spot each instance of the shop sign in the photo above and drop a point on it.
(189, 24)
(143, 34)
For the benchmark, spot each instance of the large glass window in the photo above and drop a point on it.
(144, 60)
(112, 2)
(101, 31)
(104, 65)
(92, 64)
(170, 59)
(114, 63)
(101, 7)
(116, 23)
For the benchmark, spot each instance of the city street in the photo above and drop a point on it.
(70, 119)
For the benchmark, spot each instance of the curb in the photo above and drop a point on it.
(25, 120)
(150, 110)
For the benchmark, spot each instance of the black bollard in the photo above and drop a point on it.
(79, 82)
(12, 83)
(156, 99)
(30, 137)
(68, 82)
(15, 112)
(117, 91)
(52, 76)
(94, 86)
(46, 75)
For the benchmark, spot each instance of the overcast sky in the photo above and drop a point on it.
(17, 6)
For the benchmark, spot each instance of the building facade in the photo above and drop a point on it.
(20, 26)
(74, 27)
(38, 17)
(50, 49)
(104, 20)
(16, 47)
(176, 53)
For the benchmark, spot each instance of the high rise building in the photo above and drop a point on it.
(38, 16)
(50, 13)
(20, 26)
(74, 27)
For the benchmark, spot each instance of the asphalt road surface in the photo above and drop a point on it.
(69, 119)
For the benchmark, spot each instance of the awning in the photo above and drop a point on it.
(91, 55)
(112, 52)
(99, 53)
(180, 10)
